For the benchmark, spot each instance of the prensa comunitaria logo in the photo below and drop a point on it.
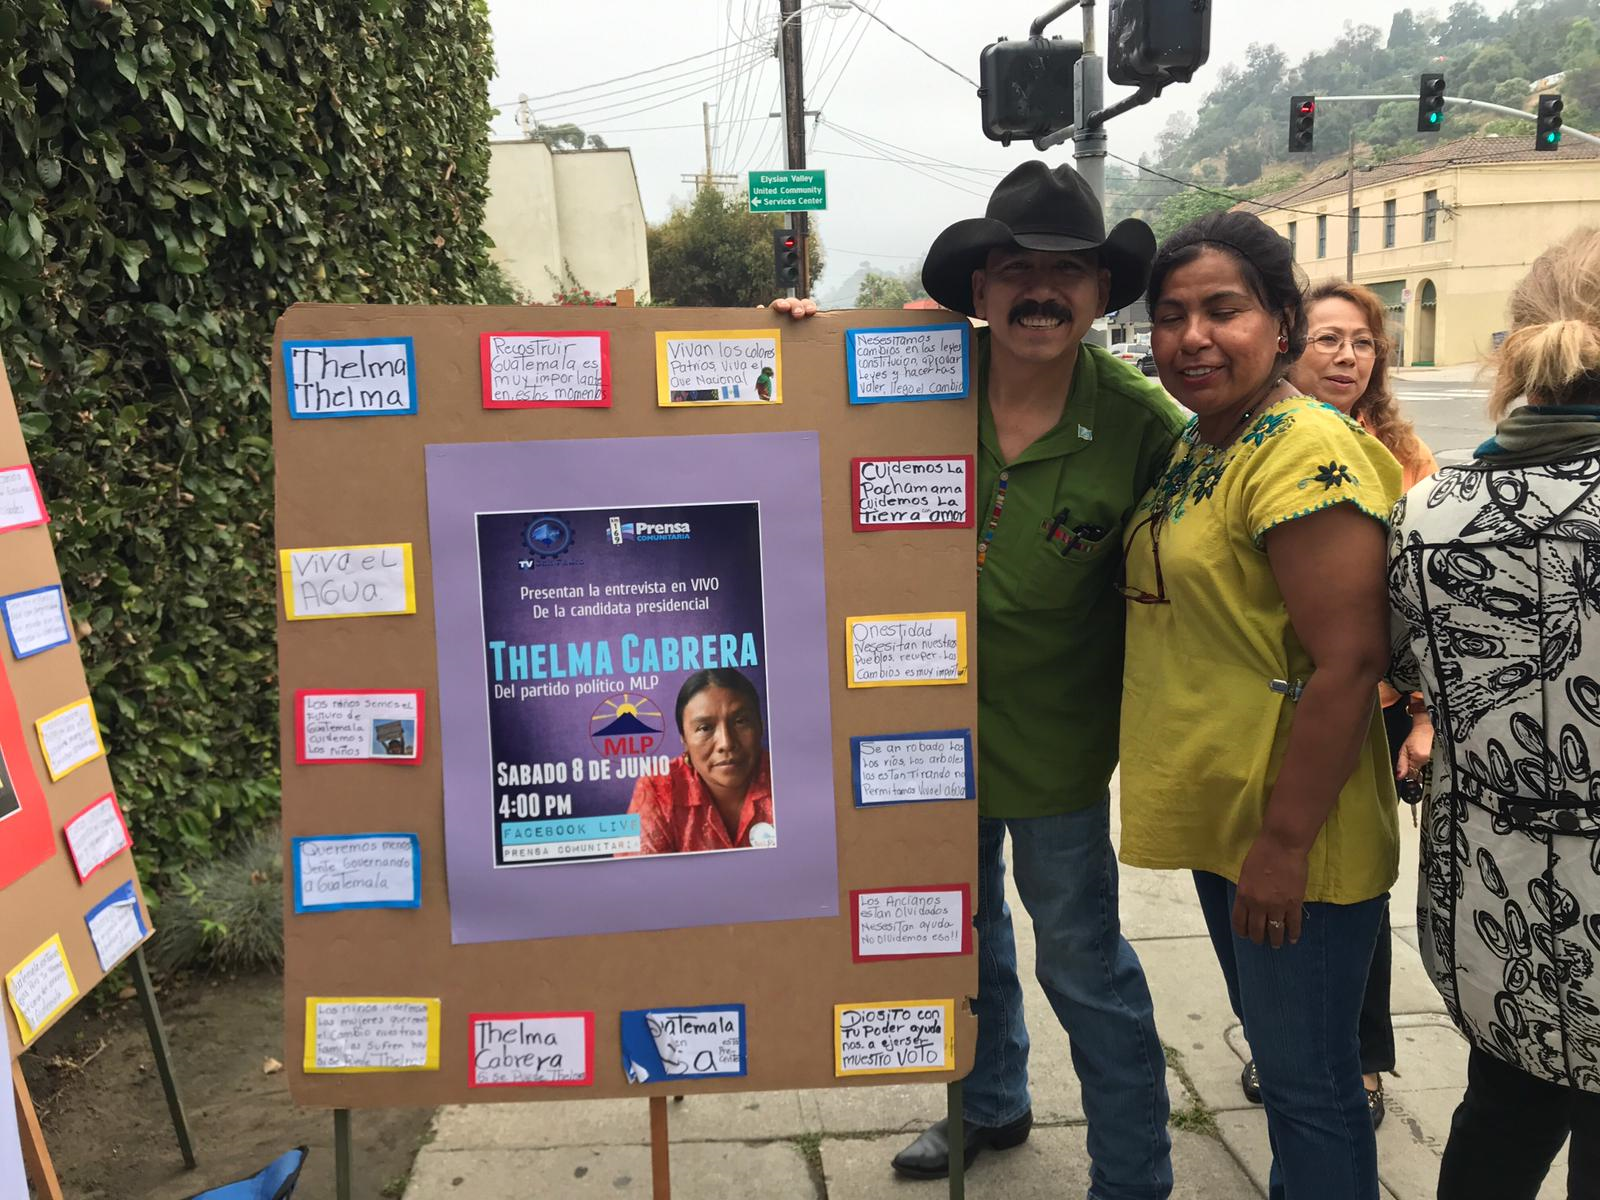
(647, 531)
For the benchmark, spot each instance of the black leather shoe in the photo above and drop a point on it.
(1375, 1104)
(1250, 1082)
(929, 1156)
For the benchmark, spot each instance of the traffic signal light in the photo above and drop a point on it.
(1302, 121)
(786, 258)
(1026, 87)
(1548, 136)
(1430, 104)
(1157, 41)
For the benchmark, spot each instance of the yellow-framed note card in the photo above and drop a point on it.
(69, 737)
(364, 1034)
(906, 649)
(894, 1037)
(348, 581)
(699, 368)
(41, 988)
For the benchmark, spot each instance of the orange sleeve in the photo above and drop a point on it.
(655, 827)
(1418, 466)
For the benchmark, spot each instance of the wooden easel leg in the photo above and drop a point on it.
(660, 1168)
(158, 1045)
(341, 1153)
(956, 1138)
(35, 1154)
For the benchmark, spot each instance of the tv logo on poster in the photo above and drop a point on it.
(626, 725)
(548, 537)
(647, 531)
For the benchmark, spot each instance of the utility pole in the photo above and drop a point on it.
(705, 116)
(794, 122)
(1089, 140)
(1350, 211)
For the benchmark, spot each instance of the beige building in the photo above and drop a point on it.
(554, 211)
(1441, 236)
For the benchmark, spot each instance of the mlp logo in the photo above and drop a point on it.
(548, 537)
(625, 725)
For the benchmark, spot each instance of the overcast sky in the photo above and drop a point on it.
(868, 83)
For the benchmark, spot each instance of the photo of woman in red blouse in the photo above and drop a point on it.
(718, 795)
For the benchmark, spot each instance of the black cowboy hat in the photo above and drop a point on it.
(1036, 208)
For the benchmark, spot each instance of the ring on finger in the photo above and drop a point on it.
(1274, 924)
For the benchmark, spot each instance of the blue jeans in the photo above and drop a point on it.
(1066, 874)
(1301, 1008)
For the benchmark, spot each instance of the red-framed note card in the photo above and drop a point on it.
(913, 492)
(929, 921)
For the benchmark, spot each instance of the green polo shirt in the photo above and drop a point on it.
(1049, 615)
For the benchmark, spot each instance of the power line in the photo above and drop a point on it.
(1310, 212)
(915, 46)
(676, 92)
(620, 78)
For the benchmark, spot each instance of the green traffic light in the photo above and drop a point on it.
(1433, 118)
(1552, 137)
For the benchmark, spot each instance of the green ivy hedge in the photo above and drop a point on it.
(173, 174)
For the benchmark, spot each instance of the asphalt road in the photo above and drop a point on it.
(1450, 417)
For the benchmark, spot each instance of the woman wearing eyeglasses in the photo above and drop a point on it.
(1346, 364)
(1252, 753)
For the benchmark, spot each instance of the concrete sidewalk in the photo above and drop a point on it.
(836, 1144)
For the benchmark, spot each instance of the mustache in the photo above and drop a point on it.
(1039, 308)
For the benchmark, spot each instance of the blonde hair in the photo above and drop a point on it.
(1376, 408)
(1552, 354)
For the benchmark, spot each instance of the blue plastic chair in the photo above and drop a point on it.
(276, 1182)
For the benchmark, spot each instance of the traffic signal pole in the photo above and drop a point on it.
(1463, 102)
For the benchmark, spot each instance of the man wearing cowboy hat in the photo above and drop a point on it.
(1069, 439)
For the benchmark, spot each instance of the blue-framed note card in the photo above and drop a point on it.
(356, 870)
(116, 926)
(912, 768)
(908, 362)
(705, 1041)
(351, 377)
(35, 621)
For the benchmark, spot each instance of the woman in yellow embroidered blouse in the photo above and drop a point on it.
(1252, 751)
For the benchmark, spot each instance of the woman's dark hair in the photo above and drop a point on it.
(1265, 259)
(717, 677)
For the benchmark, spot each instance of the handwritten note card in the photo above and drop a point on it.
(362, 1034)
(69, 737)
(906, 649)
(97, 835)
(683, 1043)
(35, 621)
(363, 870)
(920, 922)
(359, 726)
(907, 768)
(571, 369)
(893, 1038)
(914, 362)
(348, 581)
(352, 377)
(532, 1049)
(719, 366)
(912, 493)
(41, 988)
(116, 926)
(21, 503)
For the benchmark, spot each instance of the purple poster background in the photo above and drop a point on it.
(797, 878)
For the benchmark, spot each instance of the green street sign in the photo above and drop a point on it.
(788, 191)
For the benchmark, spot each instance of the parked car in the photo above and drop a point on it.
(1137, 353)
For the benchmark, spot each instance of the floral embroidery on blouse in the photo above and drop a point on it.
(1267, 425)
(1331, 475)
(1195, 476)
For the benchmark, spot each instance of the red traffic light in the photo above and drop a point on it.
(788, 243)
(1307, 107)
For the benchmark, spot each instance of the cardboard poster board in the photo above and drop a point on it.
(484, 493)
(53, 774)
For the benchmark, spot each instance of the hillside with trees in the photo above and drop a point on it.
(1237, 141)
